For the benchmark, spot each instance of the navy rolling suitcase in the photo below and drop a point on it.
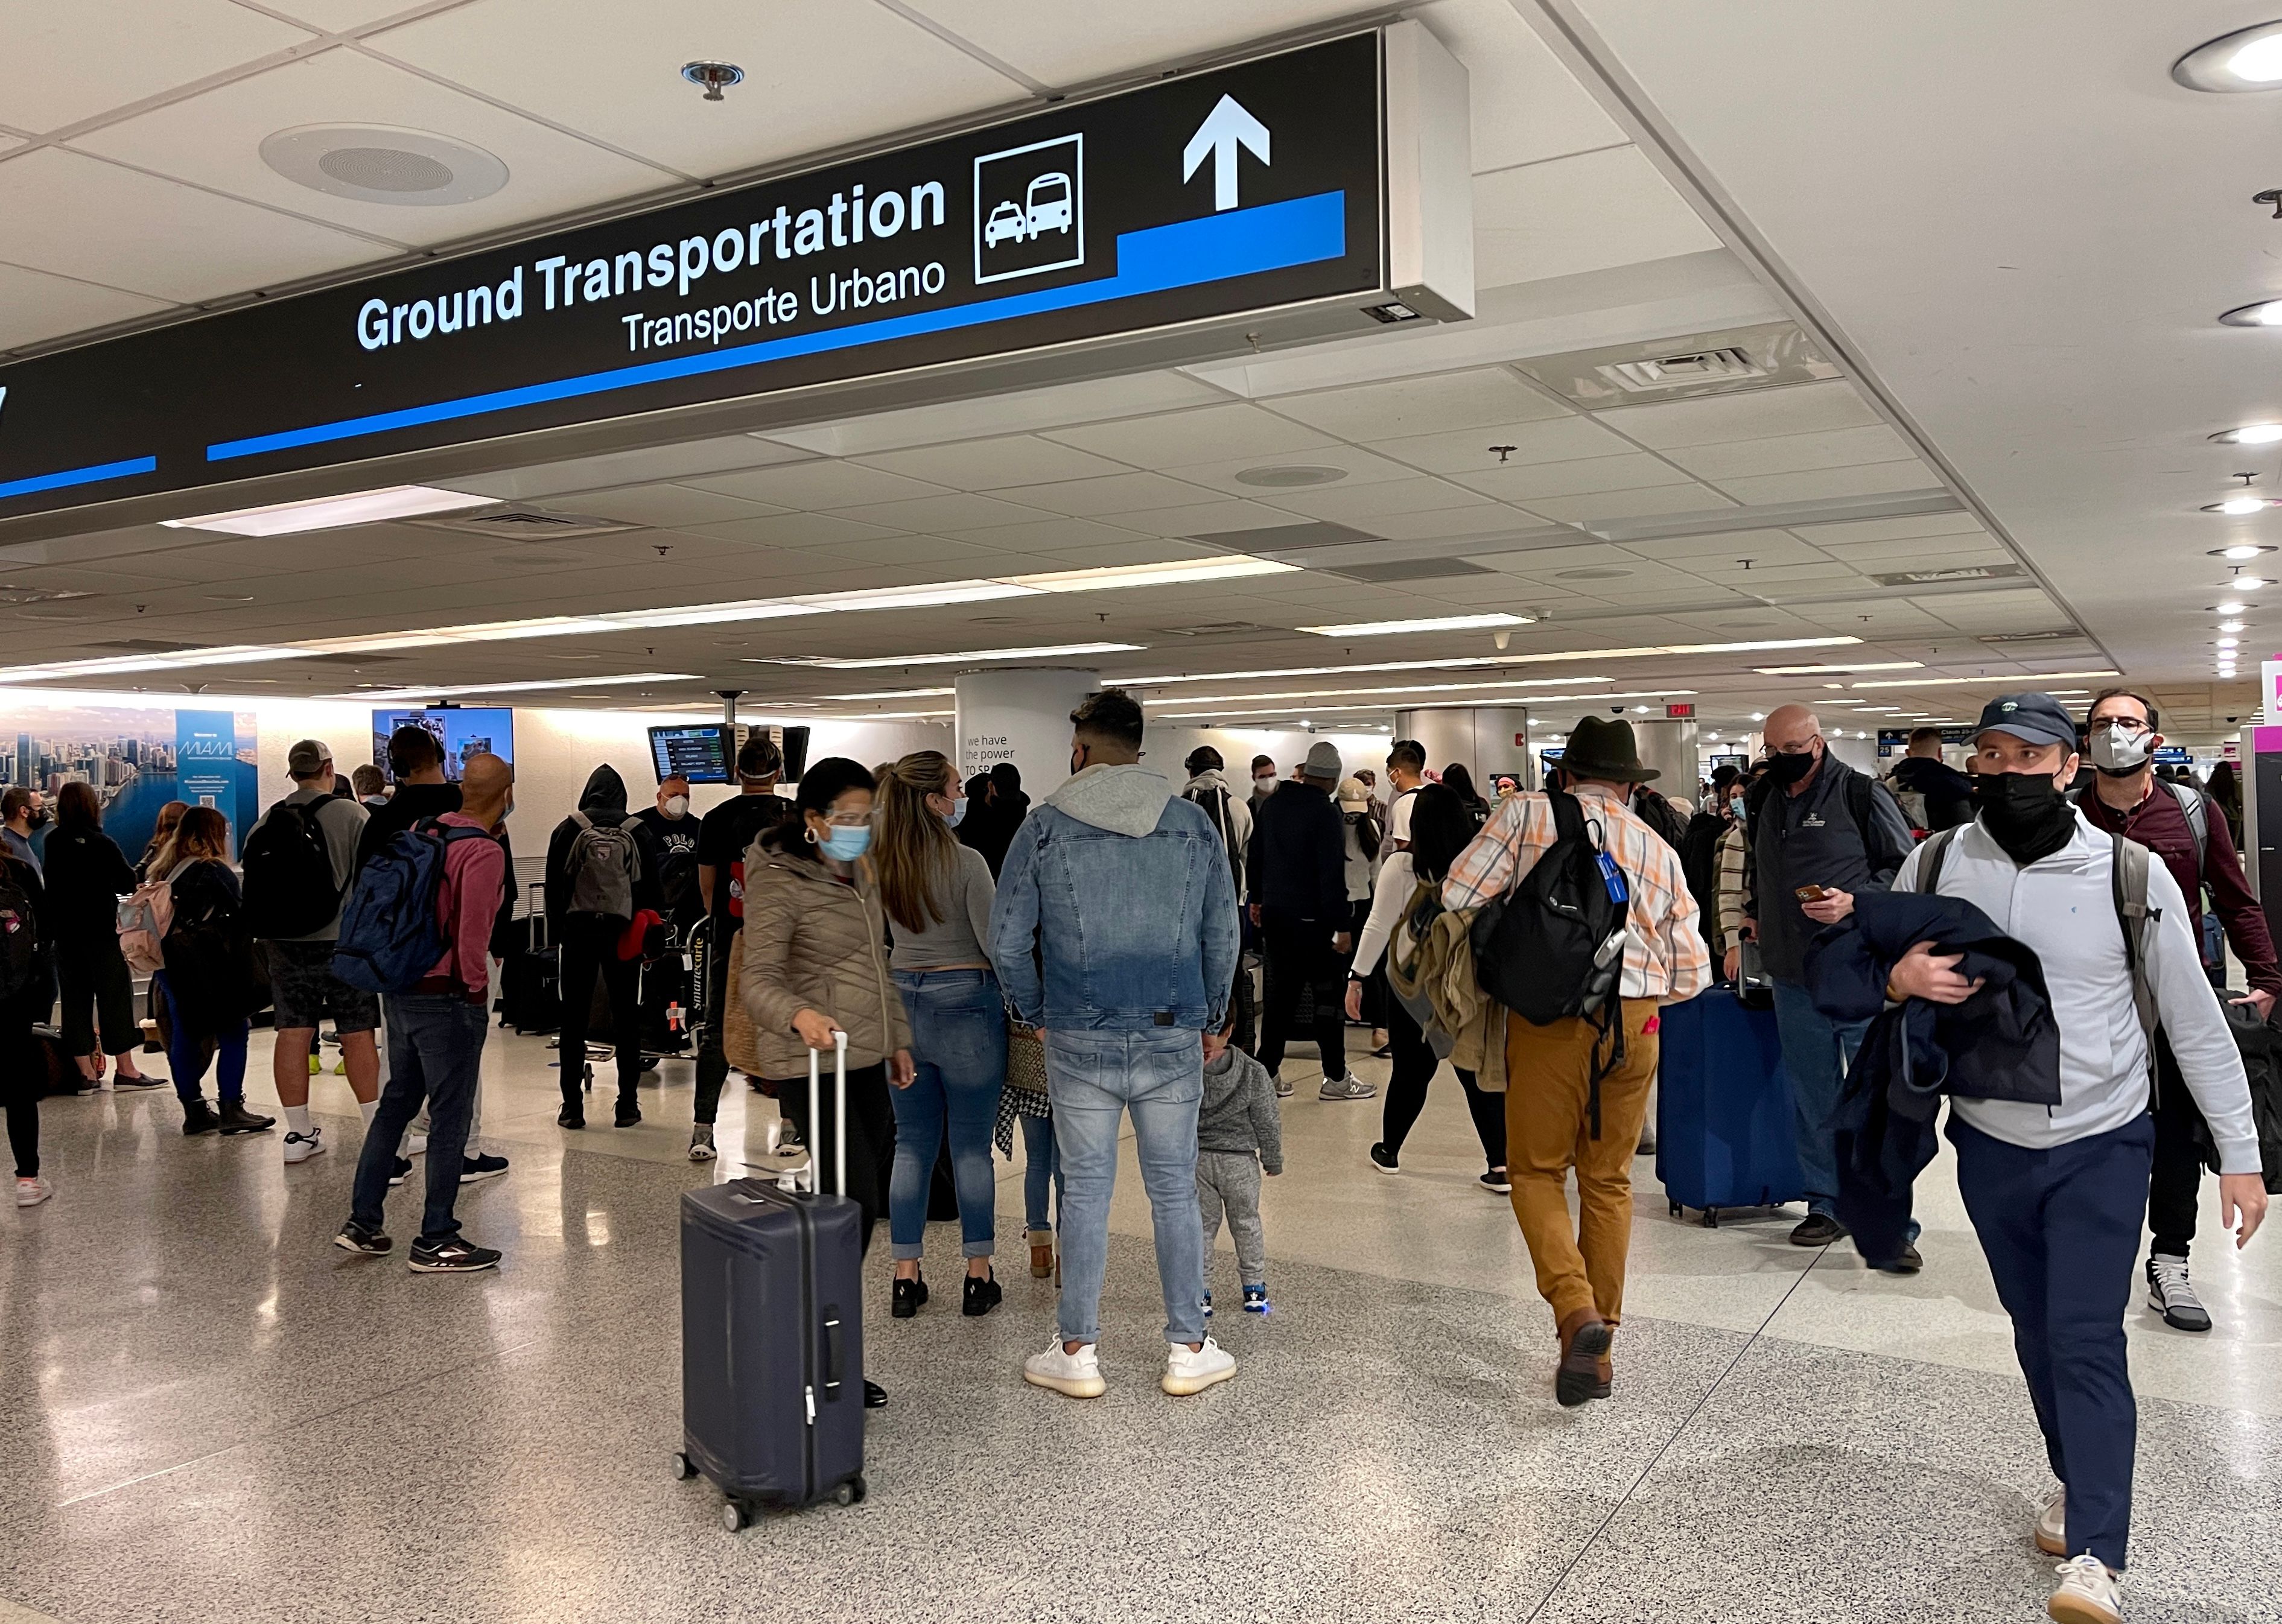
(1723, 1119)
(772, 1339)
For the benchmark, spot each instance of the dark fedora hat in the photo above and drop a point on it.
(1599, 749)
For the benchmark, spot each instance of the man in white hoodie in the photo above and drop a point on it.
(2057, 1193)
(1114, 933)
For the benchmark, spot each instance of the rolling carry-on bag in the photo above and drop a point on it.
(1723, 1128)
(531, 978)
(772, 1336)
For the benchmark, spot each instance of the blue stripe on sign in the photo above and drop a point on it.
(77, 476)
(1241, 242)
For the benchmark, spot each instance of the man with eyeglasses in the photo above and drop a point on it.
(1819, 831)
(2179, 824)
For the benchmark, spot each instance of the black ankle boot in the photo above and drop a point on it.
(236, 1119)
(909, 1295)
(983, 1295)
(573, 1114)
(629, 1110)
(198, 1117)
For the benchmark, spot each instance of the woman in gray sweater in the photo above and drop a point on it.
(937, 894)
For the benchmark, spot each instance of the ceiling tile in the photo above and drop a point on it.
(1627, 503)
(953, 511)
(1361, 467)
(1435, 404)
(81, 217)
(1707, 553)
(1054, 406)
(68, 63)
(1466, 451)
(214, 140)
(792, 529)
(1366, 505)
(1495, 519)
(1526, 106)
(1201, 519)
(35, 306)
(1894, 529)
(809, 487)
(1747, 415)
(1587, 213)
(1113, 493)
(666, 506)
(1049, 535)
(335, 15)
(1207, 435)
(1867, 480)
(1038, 37)
(1575, 477)
(819, 72)
(985, 465)
(1793, 453)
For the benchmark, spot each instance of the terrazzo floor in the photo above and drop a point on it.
(215, 1415)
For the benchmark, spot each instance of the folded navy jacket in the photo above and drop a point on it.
(2000, 1044)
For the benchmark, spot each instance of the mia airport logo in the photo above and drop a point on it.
(1030, 209)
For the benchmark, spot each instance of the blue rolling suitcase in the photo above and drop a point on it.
(772, 1338)
(1723, 1120)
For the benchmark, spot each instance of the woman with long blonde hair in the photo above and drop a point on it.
(937, 895)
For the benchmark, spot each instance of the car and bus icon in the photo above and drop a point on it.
(1045, 206)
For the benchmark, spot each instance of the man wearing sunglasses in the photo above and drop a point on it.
(2179, 826)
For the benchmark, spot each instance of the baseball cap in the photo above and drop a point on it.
(2039, 718)
(307, 758)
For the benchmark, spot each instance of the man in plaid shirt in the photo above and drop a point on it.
(1550, 1069)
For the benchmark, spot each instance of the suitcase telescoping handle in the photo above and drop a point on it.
(839, 1111)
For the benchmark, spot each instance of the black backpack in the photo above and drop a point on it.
(288, 869)
(210, 960)
(1548, 949)
(1215, 806)
(22, 953)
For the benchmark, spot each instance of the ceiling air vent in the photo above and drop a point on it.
(1211, 629)
(1727, 365)
(526, 524)
(2068, 636)
(15, 595)
(1714, 363)
(1410, 569)
(1962, 572)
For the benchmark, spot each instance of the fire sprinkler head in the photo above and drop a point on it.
(714, 76)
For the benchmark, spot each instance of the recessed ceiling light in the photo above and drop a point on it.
(2246, 59)
(1443, 622)
(2238, 505)
(229, 597)
(2230, 642)
(1640, 710)
(2250, 434)
(2231, 607)
(1948, 682)
(2244, 583)
(887, 693)
(2240, 551)
(1758, 715)
(1291, 476)
(1816, 670)
(326, 512)
(2230, 625)
(2266, 312)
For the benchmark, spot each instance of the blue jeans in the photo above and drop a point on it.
(435, 1054)
(1816, 1052)
(1042, 1172)
(959, 1047)
(2060, 1229)
(186, 1052)
(1094, 1076)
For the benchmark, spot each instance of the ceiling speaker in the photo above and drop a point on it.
(377, 163)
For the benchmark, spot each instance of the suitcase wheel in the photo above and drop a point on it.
(682, 1470)
(736, 1516)
(852, 1492)
(1710, 1218)
(1675, 1208)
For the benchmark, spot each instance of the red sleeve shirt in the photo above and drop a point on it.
(467, 901)
(2158, 823)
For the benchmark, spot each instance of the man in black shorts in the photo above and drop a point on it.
(723, 837)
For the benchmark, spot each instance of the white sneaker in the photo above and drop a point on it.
(2052, 1525)
(1077, 1375)
(2088, 1594)
(301, 1146)
(1187, 1371)
(32, 1192)
(1347, 1088)
(700, 1142)
(416, 1144)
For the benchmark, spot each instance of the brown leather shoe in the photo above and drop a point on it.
(1041, 1254)
(1585, 1338)
(1606, 1366)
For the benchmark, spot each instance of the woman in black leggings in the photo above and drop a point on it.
(23, 1071)
(1441, 827)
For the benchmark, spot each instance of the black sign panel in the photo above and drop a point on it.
(1253, 187)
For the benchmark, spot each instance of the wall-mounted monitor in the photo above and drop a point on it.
(702, 754)
(795, 754)
(462, 732)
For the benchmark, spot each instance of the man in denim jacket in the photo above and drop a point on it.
(1115, 933)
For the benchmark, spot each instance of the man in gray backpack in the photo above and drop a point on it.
(602, 871)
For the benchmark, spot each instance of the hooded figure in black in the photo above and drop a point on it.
(592, 940)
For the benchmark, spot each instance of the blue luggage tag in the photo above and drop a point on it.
(1613, 878)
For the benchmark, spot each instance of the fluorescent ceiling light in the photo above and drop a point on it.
(1491, 659)
(2238, 504)
(873, 663)
(2266, 312)
(887, 693)
(916, 597)
(1335, 693)
(1865, 708)
(1997, 681)
(2250, 434)
(330, 512)
(2230, 625)
(1227, 567)
(172, 660)
(1444, 623)
(528, 687)
(2246, 59)
(1341, 704)
(2244, 583)
(2240, 551)
(1816, 670)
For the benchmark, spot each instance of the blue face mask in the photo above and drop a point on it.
(958, 812)
(844, 845)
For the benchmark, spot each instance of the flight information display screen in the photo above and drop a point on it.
(701, 754)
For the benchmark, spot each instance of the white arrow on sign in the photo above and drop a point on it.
(1225, 127)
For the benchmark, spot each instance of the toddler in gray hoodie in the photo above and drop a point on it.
(1239, 1136)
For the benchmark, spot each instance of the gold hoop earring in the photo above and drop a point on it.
(811, 833)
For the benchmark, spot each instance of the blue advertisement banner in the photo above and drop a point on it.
(206, 762)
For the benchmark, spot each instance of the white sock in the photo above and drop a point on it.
(297, 1119)
(368, 1110)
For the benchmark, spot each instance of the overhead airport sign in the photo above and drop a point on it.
(1258, 188)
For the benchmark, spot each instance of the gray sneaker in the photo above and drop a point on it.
(1347, 1088)
(1283, 1088)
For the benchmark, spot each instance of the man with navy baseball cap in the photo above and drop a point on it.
(2057, 1193)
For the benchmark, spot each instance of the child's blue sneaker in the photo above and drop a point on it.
(1255, 1299)
(1207, 1305)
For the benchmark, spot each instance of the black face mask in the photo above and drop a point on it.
(1792, 769)
(2024, 812)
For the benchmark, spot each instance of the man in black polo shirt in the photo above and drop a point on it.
(724, 835)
